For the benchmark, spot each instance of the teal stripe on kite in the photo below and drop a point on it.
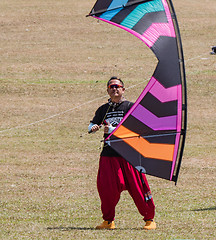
(131, 20)
(109, 15)
(117, 5)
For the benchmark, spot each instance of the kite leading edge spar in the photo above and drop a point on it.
(151, 136)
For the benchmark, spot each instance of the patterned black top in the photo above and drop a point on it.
(113, 114)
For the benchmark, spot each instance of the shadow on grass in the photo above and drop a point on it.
(86, 228)
(204, 209)
(69, 228)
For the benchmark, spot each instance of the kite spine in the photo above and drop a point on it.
(184, 92)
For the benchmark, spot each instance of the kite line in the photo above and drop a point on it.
(77, 107)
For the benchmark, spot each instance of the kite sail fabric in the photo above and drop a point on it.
(151, 136)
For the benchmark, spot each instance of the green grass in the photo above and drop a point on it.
(54, 67)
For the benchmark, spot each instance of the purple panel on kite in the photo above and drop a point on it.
(152, 121)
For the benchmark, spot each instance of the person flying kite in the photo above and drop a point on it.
(115, 174)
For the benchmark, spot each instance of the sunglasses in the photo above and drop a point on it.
(115, 86)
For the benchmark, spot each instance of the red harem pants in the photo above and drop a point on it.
(115, 175)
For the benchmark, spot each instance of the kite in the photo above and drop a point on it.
(151, 137)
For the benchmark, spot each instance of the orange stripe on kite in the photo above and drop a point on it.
(146, 149)
(123, 132)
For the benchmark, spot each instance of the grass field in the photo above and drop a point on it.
(53, 68)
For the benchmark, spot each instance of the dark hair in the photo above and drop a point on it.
(115, 78)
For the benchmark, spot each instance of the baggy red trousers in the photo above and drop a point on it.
(115, 175)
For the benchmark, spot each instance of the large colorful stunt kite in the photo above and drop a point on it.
(151, 136)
